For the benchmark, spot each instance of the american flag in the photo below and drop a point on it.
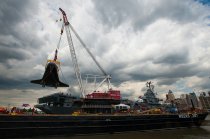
(25, 105)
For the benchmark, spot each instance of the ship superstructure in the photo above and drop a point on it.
(59, 103)
(150, 96)
(149, 100)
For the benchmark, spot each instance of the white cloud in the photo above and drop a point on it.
(135, 41)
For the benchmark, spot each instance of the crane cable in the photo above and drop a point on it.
(62, 28)
(56, 51)
(59, 41)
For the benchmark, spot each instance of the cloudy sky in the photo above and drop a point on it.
(135, 41)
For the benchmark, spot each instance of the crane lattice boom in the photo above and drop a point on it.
(68, 26)
(72, 51)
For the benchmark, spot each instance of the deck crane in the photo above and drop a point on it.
(68, 26)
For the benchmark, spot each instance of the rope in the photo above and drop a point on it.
(56, 51)
(58, 46)
(62, 75)
(62, 28)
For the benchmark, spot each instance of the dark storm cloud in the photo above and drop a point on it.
(6, 83)
(11, 53)
(205, 85)
(181, 71)
(18, 40)
(173, 58)
(13, 35)
(167, 81)
(167, 77)
(11, 83)
(143, 13)
(13, 12)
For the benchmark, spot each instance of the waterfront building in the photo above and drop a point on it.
(187, 101)
(181, 104)
(205, 100)
(170, 98)
(192, 100)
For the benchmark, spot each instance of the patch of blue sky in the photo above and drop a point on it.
(181, 86)
(204, 2)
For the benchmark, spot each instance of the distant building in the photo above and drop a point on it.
(181, 104)
(183, 96)
(192, 100)
(205, 100)
(187, 101)
(170, 98)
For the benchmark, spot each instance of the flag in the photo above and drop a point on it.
(25, 105)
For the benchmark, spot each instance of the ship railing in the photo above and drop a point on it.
(96, 106)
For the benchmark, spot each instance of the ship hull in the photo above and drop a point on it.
(23, 126)
(58, 110)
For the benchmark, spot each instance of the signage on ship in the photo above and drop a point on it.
(188, 115)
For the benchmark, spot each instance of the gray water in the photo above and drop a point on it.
(202, 132)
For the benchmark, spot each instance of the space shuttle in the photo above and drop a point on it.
(50, 77)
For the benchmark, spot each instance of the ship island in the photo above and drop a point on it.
(96, 111)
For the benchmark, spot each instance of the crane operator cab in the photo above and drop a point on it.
(51, 76)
